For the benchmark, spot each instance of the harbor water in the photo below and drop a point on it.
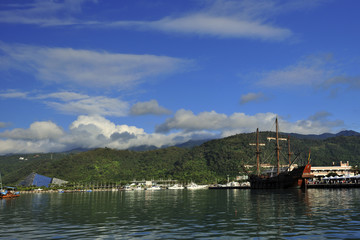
(184, 214)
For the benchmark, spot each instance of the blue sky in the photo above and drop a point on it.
(126, 73)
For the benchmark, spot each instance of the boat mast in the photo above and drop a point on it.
(289, 152)
(277, 148)
(257, 153)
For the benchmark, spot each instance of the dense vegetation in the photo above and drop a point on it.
(210, 162)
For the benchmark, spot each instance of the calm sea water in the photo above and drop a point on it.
(184, 214)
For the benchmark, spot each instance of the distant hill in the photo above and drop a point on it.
(325, 135)
(78, 150)
(192, 143)
(189, 144)
(143, 148)
(208, 162)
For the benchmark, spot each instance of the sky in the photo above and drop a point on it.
(125, 73)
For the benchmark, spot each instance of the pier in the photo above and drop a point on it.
(334, 185)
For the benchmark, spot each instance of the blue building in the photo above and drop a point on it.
(38, 180)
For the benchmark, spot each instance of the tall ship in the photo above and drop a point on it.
(288, 177)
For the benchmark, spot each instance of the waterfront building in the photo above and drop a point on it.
(344, 169)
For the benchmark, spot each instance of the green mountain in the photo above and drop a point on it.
(210, 162)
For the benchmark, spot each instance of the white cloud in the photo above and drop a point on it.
(86, 68)
(150, 107)
(104, 126)
(37, 131)
(3, 124)
(252, 97)
(23, 146)
(97, 131)
(187, 121)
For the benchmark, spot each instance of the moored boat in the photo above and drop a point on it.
(295, 178)
(153, 188)
(8, 192)
(139, 188)
(192, 186)
(176, 187)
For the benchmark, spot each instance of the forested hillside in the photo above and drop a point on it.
(210, 162)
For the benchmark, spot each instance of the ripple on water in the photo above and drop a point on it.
(185, 215)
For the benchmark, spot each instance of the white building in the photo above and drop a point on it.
(343, 170)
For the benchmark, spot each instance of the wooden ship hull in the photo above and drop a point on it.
(297, 178)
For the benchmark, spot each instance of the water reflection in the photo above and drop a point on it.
(237, 214)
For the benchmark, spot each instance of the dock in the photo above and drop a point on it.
(229, 187)
(334, 185)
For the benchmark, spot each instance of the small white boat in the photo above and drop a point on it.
(154, 188)
(128, 188)
(233, 184)
(139, 188)
(176, 186)
(195, 186)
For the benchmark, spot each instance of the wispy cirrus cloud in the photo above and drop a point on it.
(220, 18)
(75, 103)
(317, 71)
(211, 25)
(42, 13)
(217, 18)
(100, 105)
(310, 71)
(86, 68)
(12, 93)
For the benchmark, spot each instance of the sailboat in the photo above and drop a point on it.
(7, 193)
(295, 178)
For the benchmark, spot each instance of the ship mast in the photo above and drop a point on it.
(277, 148)
(258, 151)
(289, 152)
